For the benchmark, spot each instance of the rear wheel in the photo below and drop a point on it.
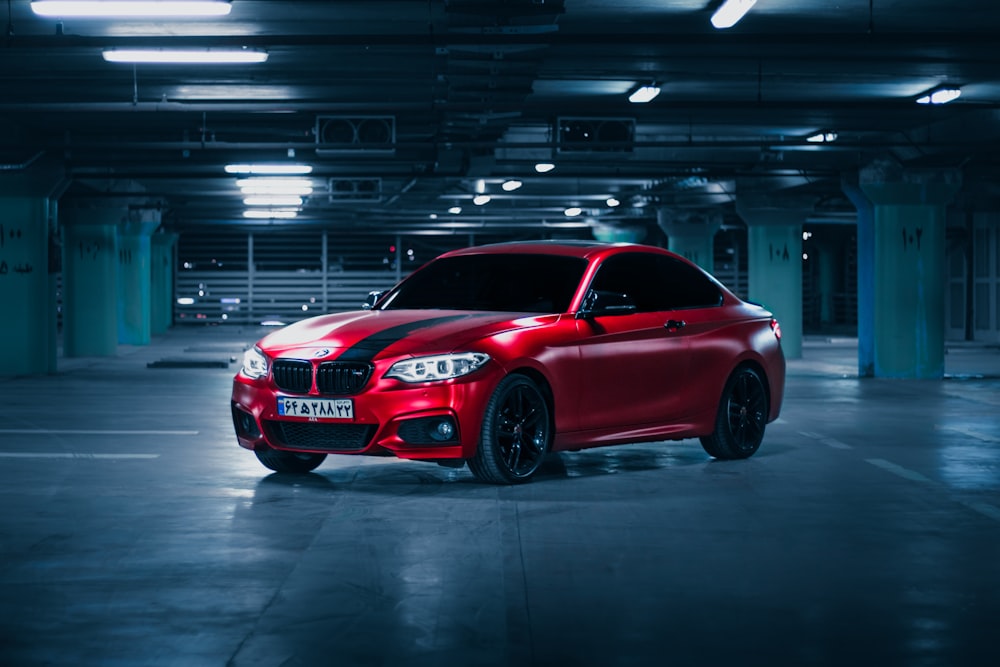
(515, 435)
(743, 410)
(295, 462)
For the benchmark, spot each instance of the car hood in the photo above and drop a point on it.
(375, 334)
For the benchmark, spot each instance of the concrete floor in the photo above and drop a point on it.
(135, 532)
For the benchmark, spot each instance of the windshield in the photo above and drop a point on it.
(515, 283)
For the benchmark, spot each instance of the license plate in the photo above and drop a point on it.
(316, 408)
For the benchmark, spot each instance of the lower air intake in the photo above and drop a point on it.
(320, 437)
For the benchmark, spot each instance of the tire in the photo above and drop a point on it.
(293, 462)
(742, 416)
(516, 433)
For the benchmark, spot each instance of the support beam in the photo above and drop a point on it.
(29, 264)
(134, 276)
(866, 277)
(28, 336)
(910, 275)
(90, 280)
(691, 234)
(162, 268)
(774, 236)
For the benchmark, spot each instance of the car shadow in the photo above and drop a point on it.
(396, 477)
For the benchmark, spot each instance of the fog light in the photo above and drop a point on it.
(426, 431)
(443, 431)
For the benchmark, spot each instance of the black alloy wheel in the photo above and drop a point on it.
(742, 416)
(516, 433)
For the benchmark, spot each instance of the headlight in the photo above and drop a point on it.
(437, 367)
(254, 363)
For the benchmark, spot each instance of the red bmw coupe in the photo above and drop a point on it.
(496, 355)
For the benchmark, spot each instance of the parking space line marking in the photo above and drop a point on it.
(968, 432)
(985, 509)
(46, 431)
(829, 442)
(74, 455)
(836, 444)
(900, 471)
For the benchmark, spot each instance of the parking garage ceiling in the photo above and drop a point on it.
(407, 109)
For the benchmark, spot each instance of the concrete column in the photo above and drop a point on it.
(825, 282)
(28, 334)
(910, 272)
(610, 234)
(774, 240)
(135, 276)
(691, 234)
(90, 280)
(866, 278)
(162, 266)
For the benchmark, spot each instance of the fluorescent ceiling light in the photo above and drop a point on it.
(273, 200)
(940, 96)
(573, 211)
(184, 56)
(480, 200)
(822, 138)
(644, 94)
(105, 8)
(277, 169)
(267, 214)
(612, 202)
(288, 189)
(730, 13)
(455, 210)
(275, 186)
(544, 167)
(511, 185)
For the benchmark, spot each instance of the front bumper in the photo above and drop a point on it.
(390, 418)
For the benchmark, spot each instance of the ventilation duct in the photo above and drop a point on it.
(355, 190)
(355, 134)
(595, 135)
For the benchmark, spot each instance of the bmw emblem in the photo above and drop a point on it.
(321, 353)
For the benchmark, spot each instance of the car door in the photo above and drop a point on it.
(633, 362)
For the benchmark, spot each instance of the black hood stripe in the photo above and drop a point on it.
(366, 348)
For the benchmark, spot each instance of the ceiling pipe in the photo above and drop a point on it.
(21, 166)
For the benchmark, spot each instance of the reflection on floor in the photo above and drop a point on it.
(135, 532)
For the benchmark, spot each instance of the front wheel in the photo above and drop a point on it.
(516, 433)
(743, 410)
(294, 462)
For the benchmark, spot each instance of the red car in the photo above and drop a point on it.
(495, 356)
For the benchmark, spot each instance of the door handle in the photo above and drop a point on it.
(674, 325)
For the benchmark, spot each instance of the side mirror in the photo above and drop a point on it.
(597, 303)
(372, 299)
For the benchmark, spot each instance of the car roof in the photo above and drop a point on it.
(569, 248)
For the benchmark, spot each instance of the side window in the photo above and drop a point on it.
(684, 286)
(634, 275)
(657, 282)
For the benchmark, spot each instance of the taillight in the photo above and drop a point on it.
(776, 328)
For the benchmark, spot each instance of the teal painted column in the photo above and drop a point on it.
(28, 334)
(162, 282)
(774, 274)
(135, 276)
(691, 234)
(611, 234)
(775, 278)
(90, 281)
(866, 277)
(910, 272)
